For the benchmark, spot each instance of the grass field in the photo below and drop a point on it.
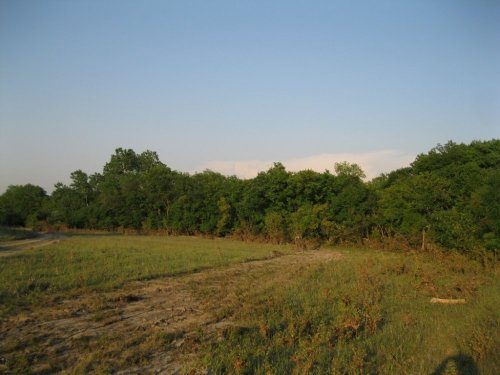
(100, 304)
(84, 263)
(371, 314)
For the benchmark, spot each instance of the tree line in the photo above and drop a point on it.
(448, 198)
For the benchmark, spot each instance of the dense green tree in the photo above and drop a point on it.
(21, 205)
(275, 227)
(440, 194)
(66, 207)
(409, 204)
(225, 217)
(308, 220)
(448, 197)
(251, 208)
(305, 187)
(347, 169)
(485, 208)
(161, 188)
(81, 185)
(122, 161)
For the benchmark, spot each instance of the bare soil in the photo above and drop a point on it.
(151, 327)
(12, 247)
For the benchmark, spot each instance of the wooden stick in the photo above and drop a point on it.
(446, 301)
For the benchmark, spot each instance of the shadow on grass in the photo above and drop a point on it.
(460, 364)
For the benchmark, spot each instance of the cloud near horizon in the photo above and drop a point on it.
(373, 163)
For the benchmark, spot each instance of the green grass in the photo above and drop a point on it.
(84, 263)
(369, 313)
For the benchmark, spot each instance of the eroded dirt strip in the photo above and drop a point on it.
(12, 247)
(146, 327)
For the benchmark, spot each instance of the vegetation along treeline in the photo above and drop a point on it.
(447, 198)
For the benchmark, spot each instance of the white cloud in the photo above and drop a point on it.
(372, 163)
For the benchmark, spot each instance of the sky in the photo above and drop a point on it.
(236, 85)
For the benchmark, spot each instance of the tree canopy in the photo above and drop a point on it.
(448, 197)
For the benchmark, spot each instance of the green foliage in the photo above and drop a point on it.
(307, 187)
(307, 221)
(453, 228)
(20, 203)
(225, 217)
(452, 192)
(347, 169)
(409, 203)
(485, 209)
(448, 197)
(275, 227)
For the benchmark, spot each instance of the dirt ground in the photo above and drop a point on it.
(12, 247)
(153, 327)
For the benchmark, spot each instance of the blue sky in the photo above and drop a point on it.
(235, 85)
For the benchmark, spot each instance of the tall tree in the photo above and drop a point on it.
(21, 204)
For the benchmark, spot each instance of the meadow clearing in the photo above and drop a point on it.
(151, 304)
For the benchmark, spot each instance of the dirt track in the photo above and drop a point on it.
(123, 327)
(12, 247)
